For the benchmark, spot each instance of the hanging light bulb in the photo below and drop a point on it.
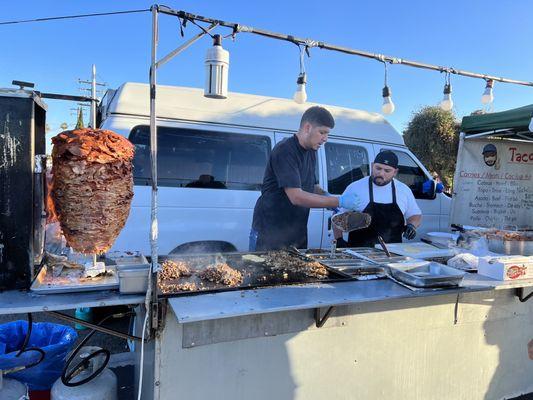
(300, 96)
(388, 106)
(216, 70)
(447, 103)
(488, 96)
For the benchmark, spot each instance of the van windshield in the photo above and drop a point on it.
(201, 159)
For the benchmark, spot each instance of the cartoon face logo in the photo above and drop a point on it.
(490, 155)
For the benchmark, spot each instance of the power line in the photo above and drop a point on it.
(23, 21)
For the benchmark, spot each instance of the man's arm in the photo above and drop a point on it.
(299, 197)
(415, 220)
(319, 190)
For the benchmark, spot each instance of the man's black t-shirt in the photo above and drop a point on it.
(279, 223)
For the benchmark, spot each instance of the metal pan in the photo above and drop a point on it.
(426, 274)
(510, 247)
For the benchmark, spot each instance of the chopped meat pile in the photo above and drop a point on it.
(173, 270)
(92, 187)
(170, 272)
(510, 235)
(351, 220)
(222, 273)
(167, 287)
(286, 262)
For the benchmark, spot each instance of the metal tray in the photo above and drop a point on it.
(348, 264)
(40, 285)
(255, 274)
(426, 274)
(510, 247)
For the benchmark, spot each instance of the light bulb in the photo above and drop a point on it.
(216, 70)
(300, 96)
(488, 96)
(447, 103)
(388, 106)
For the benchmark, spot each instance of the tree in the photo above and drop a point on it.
(433, 136)
(79, 124)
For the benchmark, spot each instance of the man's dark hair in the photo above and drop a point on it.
(318, 116)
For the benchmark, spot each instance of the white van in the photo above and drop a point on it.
(212, 156)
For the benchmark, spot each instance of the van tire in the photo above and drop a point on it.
(208, 246)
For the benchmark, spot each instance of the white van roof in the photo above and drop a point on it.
(189, 104)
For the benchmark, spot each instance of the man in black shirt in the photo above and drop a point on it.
(290, 188)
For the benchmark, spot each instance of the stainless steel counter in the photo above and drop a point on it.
(300, 297)
(19, 302)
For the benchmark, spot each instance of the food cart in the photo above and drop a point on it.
(355, 332)
(376, 338)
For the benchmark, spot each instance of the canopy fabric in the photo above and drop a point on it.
(516, 120)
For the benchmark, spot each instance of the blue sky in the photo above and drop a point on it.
(492, 37)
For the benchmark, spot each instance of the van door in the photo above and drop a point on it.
(316, 215)
(413, 174)
(346, 161)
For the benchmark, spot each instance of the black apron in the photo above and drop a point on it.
(387, 222)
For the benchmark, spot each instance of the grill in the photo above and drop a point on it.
(255, 274)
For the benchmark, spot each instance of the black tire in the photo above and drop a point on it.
(208, 246)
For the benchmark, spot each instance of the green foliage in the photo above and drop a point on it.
(433, 136)
(79, 123)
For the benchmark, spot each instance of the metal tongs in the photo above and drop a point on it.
(347, 221)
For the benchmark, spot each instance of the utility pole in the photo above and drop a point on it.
(94, 92)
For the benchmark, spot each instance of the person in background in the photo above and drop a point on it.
(389, 202)
(290, 187)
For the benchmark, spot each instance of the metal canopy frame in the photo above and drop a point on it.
(151, 301)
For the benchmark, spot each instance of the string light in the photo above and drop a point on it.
(488, 96)
(446, 103)
(300, 96)
(216, 70)
(388, 106)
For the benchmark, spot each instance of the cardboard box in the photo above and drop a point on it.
(508, 268)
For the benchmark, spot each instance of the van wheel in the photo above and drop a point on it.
(209, 246)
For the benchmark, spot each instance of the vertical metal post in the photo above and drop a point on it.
(458, 163)
(153, 159)
(93, 98)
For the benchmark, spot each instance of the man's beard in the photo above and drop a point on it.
(381, 182)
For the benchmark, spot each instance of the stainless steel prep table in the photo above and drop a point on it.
(20, 302)
(381, 340)
(300, 297)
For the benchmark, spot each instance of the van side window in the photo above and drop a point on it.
(346, 163)
(201, 159)
(411, 174)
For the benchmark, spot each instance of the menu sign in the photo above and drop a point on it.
(493, 184)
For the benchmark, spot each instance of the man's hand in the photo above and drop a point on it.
(350, 201)
(409, 231)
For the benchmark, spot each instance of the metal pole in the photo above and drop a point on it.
(93, 98)
(98, 328)
(184, 46)
(152, 287)
(326, 46)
